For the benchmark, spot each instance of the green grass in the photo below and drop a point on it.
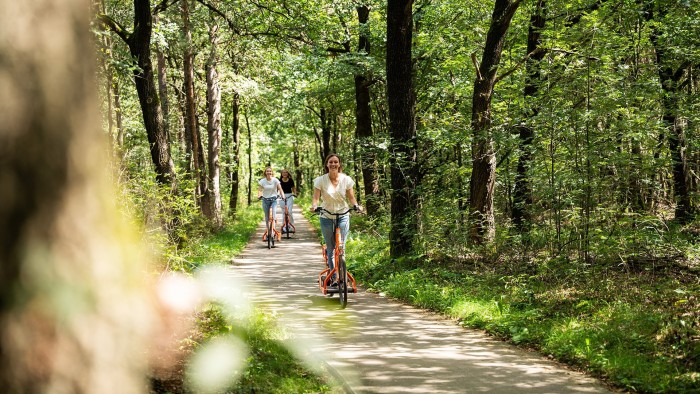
(269, 366)
(637, 330)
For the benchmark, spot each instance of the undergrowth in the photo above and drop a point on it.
(267, 366)
(636, 327)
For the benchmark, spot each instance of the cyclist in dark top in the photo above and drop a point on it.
(289, 190)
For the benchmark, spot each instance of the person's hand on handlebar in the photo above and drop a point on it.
(357, 208)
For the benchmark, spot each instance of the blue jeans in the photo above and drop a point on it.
(329, 235)
(290, 205)
(266, 204)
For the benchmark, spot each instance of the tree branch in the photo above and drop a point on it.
(114, 26)
(520, 63)
(163, 6)
(215, 10)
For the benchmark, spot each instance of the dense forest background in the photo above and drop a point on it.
(528, 167)
(539, 129)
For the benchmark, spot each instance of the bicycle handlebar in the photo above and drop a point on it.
(354, 208)
(270, 198)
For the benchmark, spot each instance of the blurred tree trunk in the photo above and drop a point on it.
(483, 178)
(402, 126)
(73, 312)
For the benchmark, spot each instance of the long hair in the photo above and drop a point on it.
(325, 162)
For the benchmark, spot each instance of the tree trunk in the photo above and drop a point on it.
(483, 178)
(402, 126)
(191, 127)
(213, 194)
(326, 132)
(522, 193)
(236, 147)
(299, 175)
(163, 89)
(669, 79)
(139, 45)
(363, 118)
(250, 159)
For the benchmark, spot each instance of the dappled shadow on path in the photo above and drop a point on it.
(380, 346)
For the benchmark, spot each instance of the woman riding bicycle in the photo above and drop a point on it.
(289, 191)
(336, 190)
(268, 191)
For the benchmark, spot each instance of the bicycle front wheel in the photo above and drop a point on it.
(342, 282)
(270, 235)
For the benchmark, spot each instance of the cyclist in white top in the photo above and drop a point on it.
(336, 190)
(268, 190)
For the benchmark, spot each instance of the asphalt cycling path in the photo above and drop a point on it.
(377, 345)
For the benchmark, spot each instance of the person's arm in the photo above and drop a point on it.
(260, 191)
(279, 189)
(350, 194)
(315, 198)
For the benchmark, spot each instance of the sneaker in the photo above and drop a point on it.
(334, 285)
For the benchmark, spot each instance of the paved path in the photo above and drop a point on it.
(381, 346)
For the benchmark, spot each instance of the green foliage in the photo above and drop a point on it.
(270, 367)
(636, 325)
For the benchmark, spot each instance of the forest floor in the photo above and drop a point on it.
(378, 345)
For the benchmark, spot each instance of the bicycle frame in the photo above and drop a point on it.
(325, 277)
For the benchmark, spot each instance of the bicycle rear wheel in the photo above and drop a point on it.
(286, 225)
(342, 282)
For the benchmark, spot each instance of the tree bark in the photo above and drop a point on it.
(236, 160)
(250, 159)
(191, 127)
(326, 132)
(402, 127)
(363, 118)
(163, 89)
(670, 81)
(140, 47)
(483, 178)
(522, 193)
(213, 193)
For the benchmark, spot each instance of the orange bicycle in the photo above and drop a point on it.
(346, 282)
(270, 229)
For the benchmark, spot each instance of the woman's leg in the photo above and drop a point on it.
(274, 209)
(290, 206)
(266, 210)
(329, 239)
(344, 224)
